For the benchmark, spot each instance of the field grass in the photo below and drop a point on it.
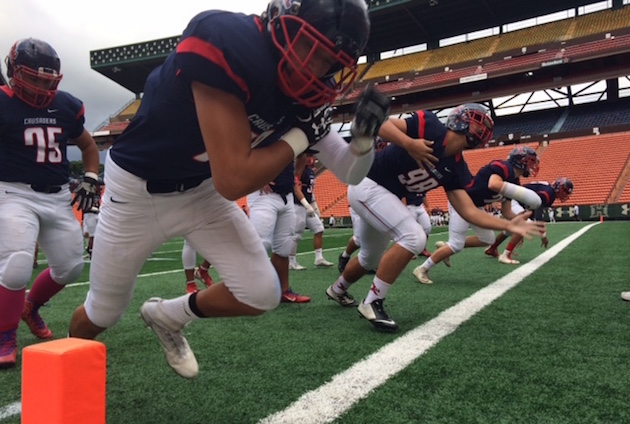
(554, 349)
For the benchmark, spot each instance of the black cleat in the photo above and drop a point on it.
(375, 313)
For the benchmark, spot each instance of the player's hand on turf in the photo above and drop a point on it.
(85, 194)
(371, 111)
(315, 123)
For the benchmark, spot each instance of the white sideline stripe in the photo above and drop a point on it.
(10, 410)
(330, 401)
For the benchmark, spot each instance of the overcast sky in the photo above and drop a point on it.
(75, 27)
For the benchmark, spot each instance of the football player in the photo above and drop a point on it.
(37, 121)
(307, 213)
(560, 189)
(496, 182)
(189, 261)
(237, 100)
(384, 217)
(273, 216)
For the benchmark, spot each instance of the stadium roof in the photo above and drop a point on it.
(402, 23)
(395, 24)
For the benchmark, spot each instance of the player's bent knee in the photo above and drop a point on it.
(413, 242)
(68, 274)
(368, 262)
(18, 271)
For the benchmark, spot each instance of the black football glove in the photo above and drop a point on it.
(85, 194)
(314, 122)
(371, 111)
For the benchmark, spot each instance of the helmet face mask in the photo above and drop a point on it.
(319, 42)
(33, 70)
(474, 121)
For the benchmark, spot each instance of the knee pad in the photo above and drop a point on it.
(283, 248)
(368, 263)
(457, 246)
(488, 239)
(68, 274)
(265, 295)
(18, 271)
(414, 242)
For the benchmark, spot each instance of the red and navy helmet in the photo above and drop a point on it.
(563, 188)
(308, 32)
(473, 120)
(33, 69)
(525, 159)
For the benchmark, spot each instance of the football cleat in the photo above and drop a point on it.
(447, 260)
(30, 315)
(422, 275)
(296, 267)
(375, 313)
(344, 299)
(203, 276)
(625, 296)
(178, 353)
(491, 251)
(341, 264)
(8, 349)
(191, 287)
(290, 296)
(505, 259)
(323, 263)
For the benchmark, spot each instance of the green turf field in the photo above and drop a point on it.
(554, 348)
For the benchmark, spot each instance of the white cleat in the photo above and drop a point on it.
(178, 353)
(625, 296)
(422, 275)
(323, 263)
(505, 259)
(446, 261)
(297, 267)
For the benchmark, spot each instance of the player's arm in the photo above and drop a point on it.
(341, 160)
(514, 191)
(237, 169)
(89, 152)
(506, 209)
(395, 131)
(464, 206)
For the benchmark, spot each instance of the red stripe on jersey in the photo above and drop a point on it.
(7, 90)
(204, 49)
(81, 112)
(501, 165)
(421, 123)
(545, 195)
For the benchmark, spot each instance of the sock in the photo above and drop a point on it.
(341, 286)
(202, 268)
(318, 255)
(344, 254)
(179, 309)
(428, 264)
(292, 260)
(44, 287)
(509, 249)
(378, 290)
(11, 307)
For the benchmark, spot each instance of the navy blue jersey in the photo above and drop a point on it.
(415, 199)
(307, 181)
(399, 173)
(228, 51)
(33, 142)
(283, 183)
(478, 189)
(544, 190)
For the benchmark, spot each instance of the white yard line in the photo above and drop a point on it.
(328, 402)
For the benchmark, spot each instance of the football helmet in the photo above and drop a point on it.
(33, 71)
(525, 159)
(473, 120)
(563, 188)
(312, 33)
